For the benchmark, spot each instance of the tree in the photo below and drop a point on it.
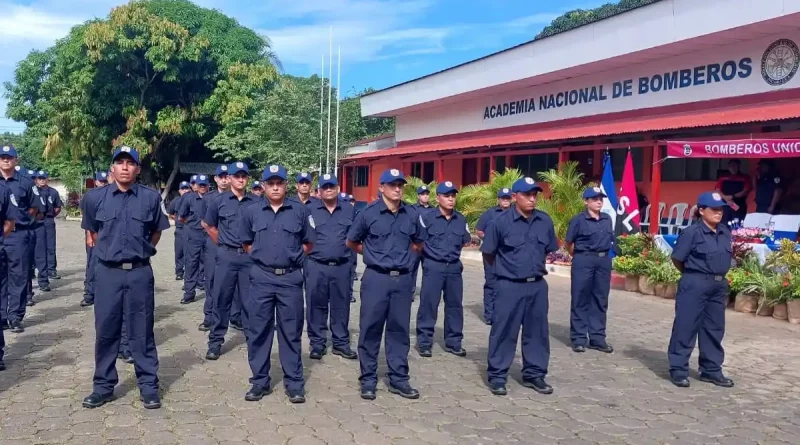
(580, 17)
(160, 75)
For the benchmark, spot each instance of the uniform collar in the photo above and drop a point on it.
(384, 208)
(587, 215)
(518, 215)
(320, 204)
(720, 228)
(15, 177)
(134, 189)
(287, 203)
(439, 214)
(229, 194)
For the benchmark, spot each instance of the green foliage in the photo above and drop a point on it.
(635, 245)
(410, 190)
(663, 273)
(580, 17)
(475, 199)
(566, 195)
(629, 265)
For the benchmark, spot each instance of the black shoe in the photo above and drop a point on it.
(680, 382)
(352, 299)
(150, 401)
(487, 322)
(2, 365)
(86, 303)
(236, 325)
(405, 391)
(424, 351)
(5, 325)
(125, 357)
(498, 389)
(719, 380)
(578, 348)
(30, 303)
(205, 327)
(188, 300)
(45, 288)
(178, 277)
(605, 347)
(347, 353)
(96, 400)
(201, 289)
(296, 395)
(55, 276)
(459, 352)
(16, 327)
(317, 354)
(367, 394)
(212, 354)
(538, 384)
(256, 393)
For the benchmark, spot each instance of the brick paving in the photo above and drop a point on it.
(623, 398)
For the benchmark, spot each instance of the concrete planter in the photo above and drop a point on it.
(780, 311)
(632, 283)
(667, 291)
(746, 303)
(766, 311)
(793, 310)
(645, 286)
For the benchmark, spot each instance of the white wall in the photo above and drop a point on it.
(469, 115)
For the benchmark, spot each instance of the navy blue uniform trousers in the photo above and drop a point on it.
(591, 282)
(195, 245)
(18, 246)
(268, 295)
(699, 318)
(209, 262)
(3, 280)
(385, 304)
(31, 261)
(50, 235)
(179, 241)
(125, 296)
(519, 305)
(328, 288)
(416, 260)
(488, 291)
(40, 255)
(231, 280)
(88, 282)
(440, 279)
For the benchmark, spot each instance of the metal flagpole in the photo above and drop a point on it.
(330, 85)
(338, 90)
(321, 111)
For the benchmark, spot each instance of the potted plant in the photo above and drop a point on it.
(653, 258)
(793, 298)
(665, 278)
(631, 268)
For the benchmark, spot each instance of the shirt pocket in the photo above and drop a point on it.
(141, 222)
(106, 223)
(378, 237)
(291, 234)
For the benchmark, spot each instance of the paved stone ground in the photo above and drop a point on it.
(621, 398)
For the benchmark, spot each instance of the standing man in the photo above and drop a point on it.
(387, 233)
(277, 233)
(257, 190)
(734, 188)
(769, 189)
(503, 204)
(201, 276)
(100, 181)
(40, 243)
(303, 187)
(125, 222)
(422, 206)
(447, 234)
(18, 243)
(8, 226)
(232, 270)
(172, 210)
(328, 273)
(589, 239)
(517, 243)
(55, 205)
(191, 213)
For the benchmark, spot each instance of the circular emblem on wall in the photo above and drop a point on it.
(687, 150)
(779, 62)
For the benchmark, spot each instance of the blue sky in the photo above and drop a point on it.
(382, 42)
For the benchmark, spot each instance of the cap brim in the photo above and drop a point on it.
(236, 172)
(267, 178)
(403, 180)
(118, 155)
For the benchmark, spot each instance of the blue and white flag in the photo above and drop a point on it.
(609, 189)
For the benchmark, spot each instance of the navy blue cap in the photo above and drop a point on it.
(8, 150)
(193, 180)
(31, 173)
(256, 185)
(445, 188)
(710, 199)
(593, 192)
(504, 193)
(392, 175)
(526, 184)
(274, 171)
(202, 180)
(221, 170)
(422, 189)
(237, 167)
(327, 180)
(184, 185)
(41, 174)
(101, 176)
(124, 149)
(344, 197)
(303, 177)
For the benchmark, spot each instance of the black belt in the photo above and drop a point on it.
(448, 263)
(125, 265)
(274, 271)
(231, 249)
(20, 227)
(705, 276)
(390, 272)
(524, 280)
(599, 254)
(339, 262)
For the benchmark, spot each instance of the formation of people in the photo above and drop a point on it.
(272, 263)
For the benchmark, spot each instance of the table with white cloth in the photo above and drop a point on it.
(666, 242)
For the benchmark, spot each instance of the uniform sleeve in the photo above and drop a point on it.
(308, 232)
(171, 207)
(358, 231)
(185, 205)
(57, 202)
(88, 221)
(720, 180)
(572, 231)
(29, 199)
(421, 228)
(467, 237)
(483, 221)
(160, 220)
(246, 233)
(4, 207)
(552, 245)
(491, 239)
(683, 246)
(212, 213)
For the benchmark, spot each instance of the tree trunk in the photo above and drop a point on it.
(176, 165)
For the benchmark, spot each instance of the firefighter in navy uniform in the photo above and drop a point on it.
(8, 226)
(172, 210)
(503, 203)
(769, 188)
(191, 213)
(517, 243)
(40, 247)
(100, 180)
(734, 188)
(125, 222)
(703, 254)
(422, 205)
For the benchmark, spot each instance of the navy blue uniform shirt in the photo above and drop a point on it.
(422, 209)
(5, 209)
(589, 234)
(193, 209)
(277, 238)
(702, 250)
(21, 195)
(519, 245)
(487, 217)
(446, 237)
(172, 209)
(225, 212)
(124, 222)
(331, 230)
(387, 236)
(765, 188)
(53, 200)
(41, 203)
